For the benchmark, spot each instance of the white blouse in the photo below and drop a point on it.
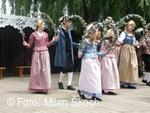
(123, 36)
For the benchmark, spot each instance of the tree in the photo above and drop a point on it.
(90, 10)
(3, 7)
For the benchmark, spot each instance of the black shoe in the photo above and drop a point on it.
(131, 87)
(70, 87)
(122, 86)
(103, 92)
(95, 98)
(60, 85)
(109, 93)
(81, 96)
(148, 83)
(144, 81)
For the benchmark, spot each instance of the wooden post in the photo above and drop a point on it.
(1, 72)
(21, 70)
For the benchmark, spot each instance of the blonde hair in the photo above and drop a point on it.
(110, 33)
(131, 22)
(39, 22)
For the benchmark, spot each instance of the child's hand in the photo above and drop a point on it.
(55, 38)
(25, 43)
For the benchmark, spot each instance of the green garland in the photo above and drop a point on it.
(80, 19)
(147, 26)
(44, 15)
(122, 21)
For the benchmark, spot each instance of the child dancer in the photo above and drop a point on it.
(110, 74)
(128, 65)
(90, 76)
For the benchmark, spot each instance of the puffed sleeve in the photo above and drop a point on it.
(31, 40)
(121, 37)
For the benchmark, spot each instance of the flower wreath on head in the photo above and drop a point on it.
(88, 28)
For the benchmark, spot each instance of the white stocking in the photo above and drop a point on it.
(61, 77)
(70, 75)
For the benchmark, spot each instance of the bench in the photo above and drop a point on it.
(21, 70)
(1, 72)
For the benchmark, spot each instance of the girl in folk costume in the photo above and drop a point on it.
(40, 77)
(146, 57)
(128, 66)
(110, 74)
(90, 77)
